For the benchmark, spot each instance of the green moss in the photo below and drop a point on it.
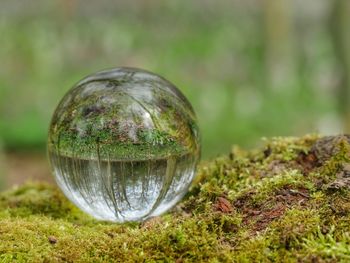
(278, 203)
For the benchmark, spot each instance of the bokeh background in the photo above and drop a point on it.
(252, 69)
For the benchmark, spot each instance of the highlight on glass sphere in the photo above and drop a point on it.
(124, 144)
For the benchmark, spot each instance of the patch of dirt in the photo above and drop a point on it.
(263, 214)
(223, 205)
(151, 222)
(307, 162)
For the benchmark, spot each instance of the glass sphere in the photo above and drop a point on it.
(124, 144)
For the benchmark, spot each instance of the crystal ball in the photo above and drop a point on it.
(123, 145)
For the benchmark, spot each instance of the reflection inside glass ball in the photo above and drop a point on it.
(123, 145)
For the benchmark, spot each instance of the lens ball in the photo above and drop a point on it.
(124, 144)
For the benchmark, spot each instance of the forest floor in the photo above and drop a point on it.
(288, 201)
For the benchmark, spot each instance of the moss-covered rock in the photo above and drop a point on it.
(289, 201)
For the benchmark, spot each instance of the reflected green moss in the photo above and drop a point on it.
(152, 144)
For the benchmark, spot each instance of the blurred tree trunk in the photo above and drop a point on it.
(278, 42)
(68, 9)
(340, 29)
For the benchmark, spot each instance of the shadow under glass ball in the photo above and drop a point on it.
(123, 145)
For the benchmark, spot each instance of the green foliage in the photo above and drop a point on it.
(214, 52)
(275, 204)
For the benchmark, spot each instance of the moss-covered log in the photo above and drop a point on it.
(288, 201)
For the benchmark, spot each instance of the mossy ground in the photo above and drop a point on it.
(289, 201)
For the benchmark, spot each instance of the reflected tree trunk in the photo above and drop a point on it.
(340, 30)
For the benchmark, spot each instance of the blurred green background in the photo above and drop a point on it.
(251, 69)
